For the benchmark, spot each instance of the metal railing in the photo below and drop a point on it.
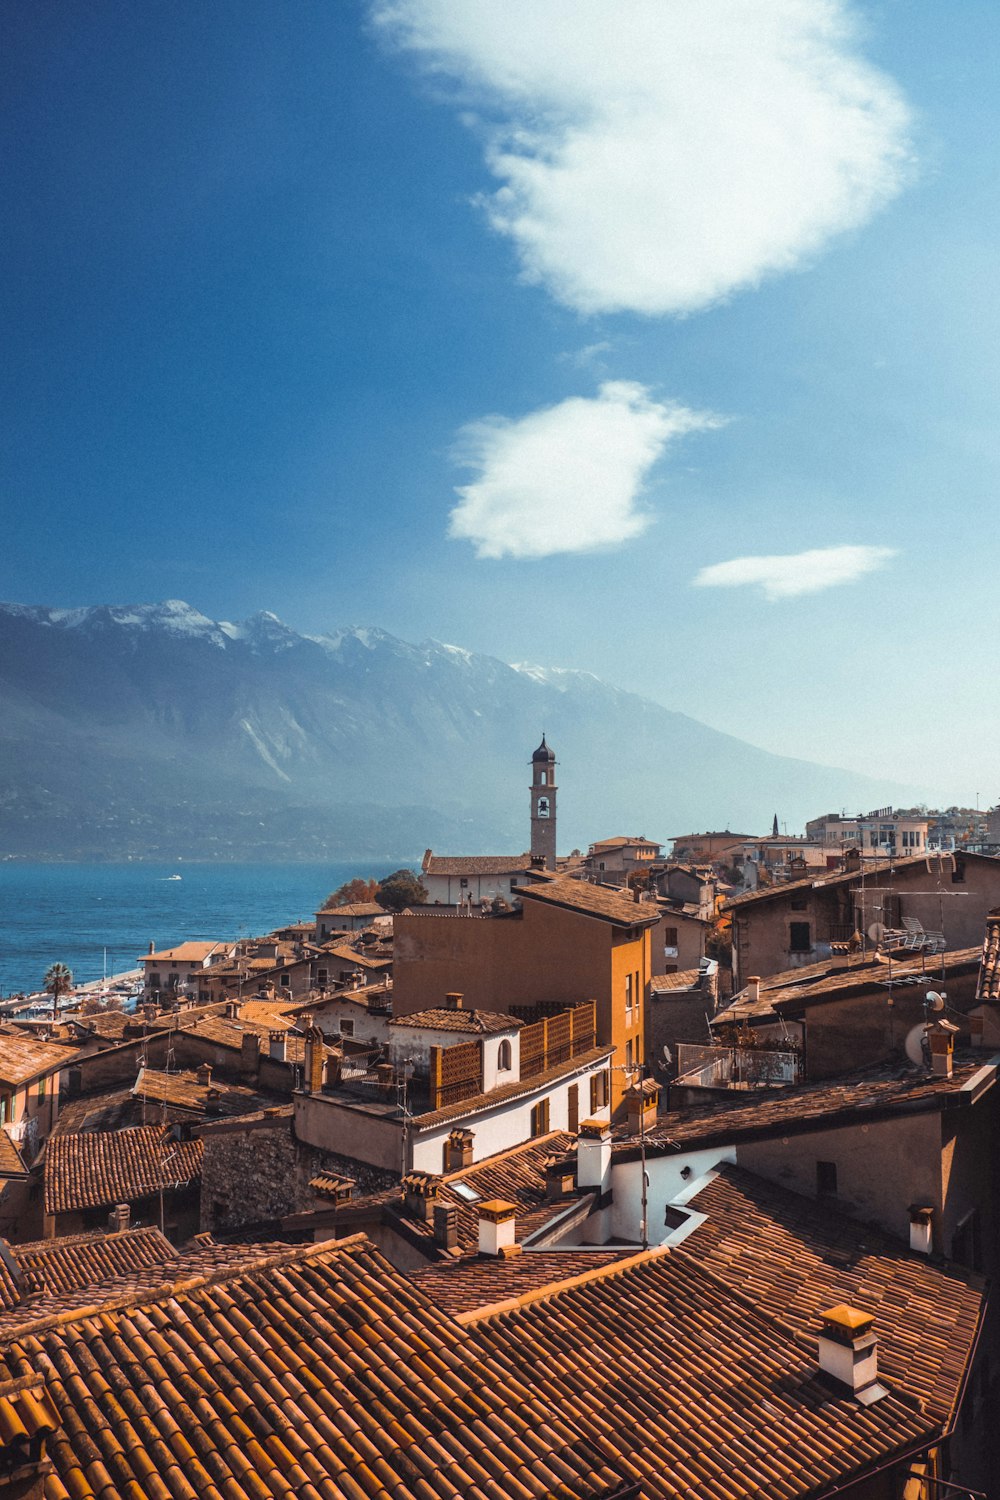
(735, 1067)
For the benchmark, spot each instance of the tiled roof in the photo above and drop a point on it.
(23, 1059)
(109, 1024)
(479, 1281)
(795, 1258)
(474, 864)
(481, 1022)
(845, 877)
(358, 909)
(683, 979)
(187, 1092)
(80, 1260)
(11, 1164)
(689, 1389)
(517, 1176)
(112, 1109)
(320, 1371)
(815, 984)
(876, 1093)
(622, 841)
(184, 953)
(310, 1372)
(593, 901)
(101, 1168)
(352, 956)
(989, 972)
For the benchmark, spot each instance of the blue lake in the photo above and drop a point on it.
(72, 913)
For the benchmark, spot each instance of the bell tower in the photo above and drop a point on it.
(543, 806)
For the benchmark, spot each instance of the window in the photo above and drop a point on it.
(346, 1026)
(598, 1091)
(798, 937)
(540, 1118)
(504, 1061)
(630, 1054)
(543, 807)
(826, 1179)
(513, 882)
(154, 981)
(465, 1192)
(628, 998)
(543, 778)
(958, 873)
(286, 980)
(322, 976)
(573, 1108)
(463, 882)
(670, 937)
(41, 1088)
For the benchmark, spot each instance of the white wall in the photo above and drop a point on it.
(506, 1124)
(665, 1182)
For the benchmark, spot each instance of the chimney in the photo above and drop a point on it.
(560, 1181)
(385, 1079)
(446, 1227)
(497, 1228)
(420, 1190)
(232, 1010)
(315, 1057)
(593, 1155)
(119, 1218)
(848, 1352)
(204, 1074)
(453, 1001)
(277, 1045)
(249, 1054)
(334, 1074)
(941, 1039)
(752, 990)
(852, 860)
(921, 1228)
(642, 1102)
(152, 948)
(459, 1150)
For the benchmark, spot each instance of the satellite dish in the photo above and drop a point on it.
(668, 1056)
(913, 1046)
(876, 932)
(935, 1001)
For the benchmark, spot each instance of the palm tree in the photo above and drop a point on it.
(58, 981)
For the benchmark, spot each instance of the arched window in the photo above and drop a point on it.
(504, 1062)
(543, 807)
(544, 778)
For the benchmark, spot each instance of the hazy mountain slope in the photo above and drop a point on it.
(146, 729)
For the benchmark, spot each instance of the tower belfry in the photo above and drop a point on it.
(543, 806)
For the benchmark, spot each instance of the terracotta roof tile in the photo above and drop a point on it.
(989, 970)
(795, 1258)
(593, 901)
(682, 979)
(102, 1168)
(480, 1022)
(480, 1281)
(475, 864)
(878, 1092)
(23, 1058)
(61, 1265)
(11, 1163)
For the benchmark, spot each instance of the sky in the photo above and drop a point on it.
(658, 339)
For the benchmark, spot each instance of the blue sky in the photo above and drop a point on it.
(495, 322)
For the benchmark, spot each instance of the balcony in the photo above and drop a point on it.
(743, 1068)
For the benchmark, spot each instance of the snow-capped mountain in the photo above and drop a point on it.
(141, 729)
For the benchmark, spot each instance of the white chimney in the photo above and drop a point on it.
(277, 1044)
(497, 1227)
(753, 989)
(848, 1352)
(921, 1228)
(593, 1155)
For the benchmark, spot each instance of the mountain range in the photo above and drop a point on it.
(151, 731)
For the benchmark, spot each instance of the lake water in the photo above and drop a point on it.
(72, 913)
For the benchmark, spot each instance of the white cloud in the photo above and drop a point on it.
(657, 155)
(566, 478)
(785, 576)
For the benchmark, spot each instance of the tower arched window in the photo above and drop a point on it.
(504, 1061)
(543, 807)
(544, 778)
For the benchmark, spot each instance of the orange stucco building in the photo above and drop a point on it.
(568, 942)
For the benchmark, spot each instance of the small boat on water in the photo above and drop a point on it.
(175, 877)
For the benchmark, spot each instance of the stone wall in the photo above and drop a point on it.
(255, 1171)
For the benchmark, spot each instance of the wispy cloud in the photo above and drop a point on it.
(786, 575)
(656, 157)
(566, 478)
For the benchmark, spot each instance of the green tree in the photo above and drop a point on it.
(401, 889)
(351, 891)
(58, 981)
